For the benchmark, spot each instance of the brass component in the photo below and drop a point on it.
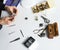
(52, 30)
(56, 29)
(45, 5)
(40, 7)
(35, 9)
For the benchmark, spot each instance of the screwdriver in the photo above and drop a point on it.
(15, 39)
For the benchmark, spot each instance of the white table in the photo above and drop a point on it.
(27, 26)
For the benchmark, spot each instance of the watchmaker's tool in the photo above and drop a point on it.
(15, 40)
(37, 30)
(45, 19)
(22, 33)
(42, 34)
(11, 32)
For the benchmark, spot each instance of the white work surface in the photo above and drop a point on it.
(27, 27)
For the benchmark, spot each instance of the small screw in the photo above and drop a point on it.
(41, 24)
(26, 18)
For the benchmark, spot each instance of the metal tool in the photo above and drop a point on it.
(44, 29)
(45, 19)
(42, 34)
(15, 40)
(12, 25)
(22, 33)
(38, 30)
(11, 32)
